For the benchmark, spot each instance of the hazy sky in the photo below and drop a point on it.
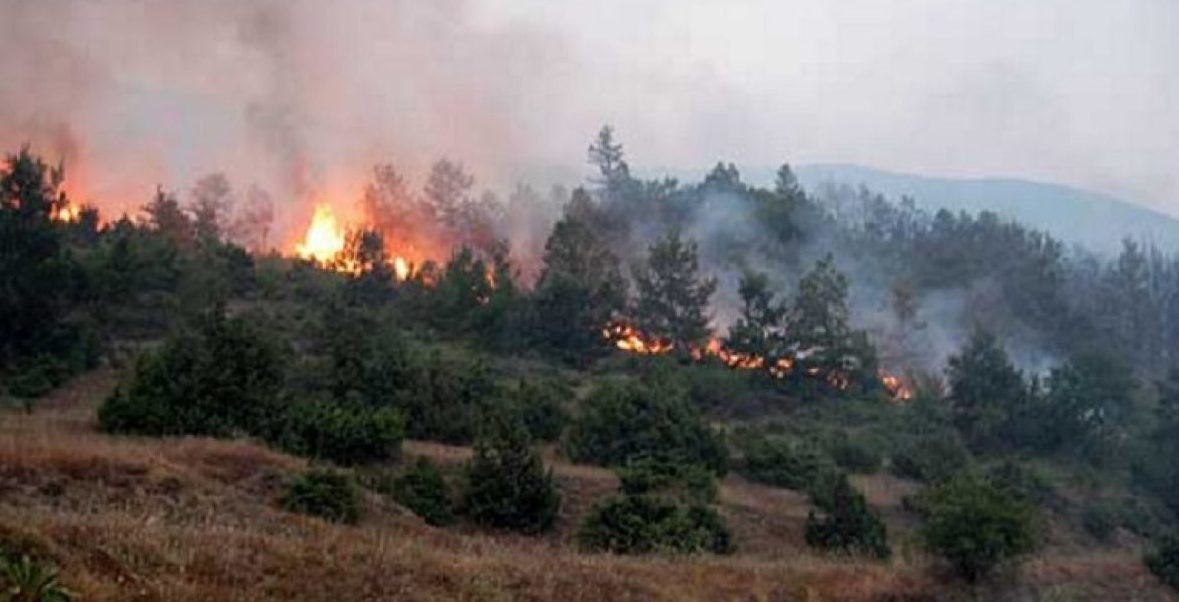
(296, 94)
(1084, 92)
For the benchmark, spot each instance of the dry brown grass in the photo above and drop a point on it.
(194, 519)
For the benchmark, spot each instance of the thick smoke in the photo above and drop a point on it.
(295, 98)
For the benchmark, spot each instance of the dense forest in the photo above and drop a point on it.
(673, 332)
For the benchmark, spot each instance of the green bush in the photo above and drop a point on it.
(221, 379)
(683, 481)
(451, 400)
(507, 484)
(539, 404)
(856, 454)
(347, 433)
(328, 494)
(37, 376)
(1023, 481)
(1100, 519)
(786, 462)
(25, 580)
(622, 422)
(423, 490)
(847, 524)
(643, 524)
(976, 526)
(1163, 561)
(930, 458)
(712, 387)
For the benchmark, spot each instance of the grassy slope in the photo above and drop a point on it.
(194, 519)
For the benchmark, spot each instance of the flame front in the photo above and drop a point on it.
(628, 338)
(324, 238)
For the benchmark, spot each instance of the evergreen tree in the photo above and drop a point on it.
(673, 296)
(986, 389)
(758, 330)
(34, 271)
(818, 332)
(580, 287)
(507, 484)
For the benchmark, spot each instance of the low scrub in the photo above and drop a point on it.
(1163, 561)
(508, 486)
(683, 481)
(787, 462)
(221, 378)
(423, 490)
(327, 494)
(623, 422)
(342, 433)
(975, 526)
(930, 458)
(644, 524)
(847, 525)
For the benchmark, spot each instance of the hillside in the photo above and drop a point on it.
(195, 519)
(1077, 216)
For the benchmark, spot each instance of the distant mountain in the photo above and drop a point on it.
(1074, 216)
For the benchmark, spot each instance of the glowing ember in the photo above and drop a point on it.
(324, 238)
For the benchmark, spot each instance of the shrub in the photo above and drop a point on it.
(786, 462)
(25, 580)
(342, 433)
(1100, 519)
(1163, 561)
(642, 524)
(538, 403)
(220, 379)
(856, 455)
(451, 401)
(712, 387)
(328, 494)
(848, 525)
(37, 376)
(423, 490)
(621, 422)
(507, 484)
(683, 481)
(976, 526)
(930, 458)
(1022, 481)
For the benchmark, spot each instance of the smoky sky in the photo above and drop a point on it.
(300, 96)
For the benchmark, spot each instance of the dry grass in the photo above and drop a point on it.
(194, 519)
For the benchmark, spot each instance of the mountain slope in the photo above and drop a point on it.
(1075, 216)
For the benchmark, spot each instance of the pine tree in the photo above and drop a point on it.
(986, 389)
(508, 486)
(580, 287)
(673, 295)
(758, 330)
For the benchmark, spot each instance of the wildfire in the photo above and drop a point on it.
(68, 213)
(324, 238)
(401, 268)
(628, 338)
(733, 359)
(896, 388)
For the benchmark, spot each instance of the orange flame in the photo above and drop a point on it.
(895, 387)
(324, 239)
(628, 338)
